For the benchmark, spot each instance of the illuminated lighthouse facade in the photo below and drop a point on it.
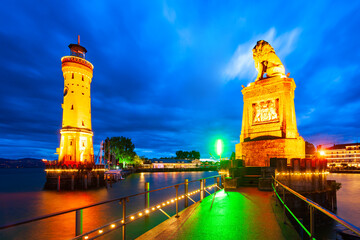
(76, 143)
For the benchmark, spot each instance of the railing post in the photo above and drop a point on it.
(312, 221)
(78, 222)
(217, 184)
(204, 187)
(201, 189)
(124, 218)
(147, 195)
(284, 205)
(186, 200)
(177, 201)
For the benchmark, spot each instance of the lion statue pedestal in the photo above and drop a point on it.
(269, 123)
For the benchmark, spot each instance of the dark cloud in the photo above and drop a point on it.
(158, 75)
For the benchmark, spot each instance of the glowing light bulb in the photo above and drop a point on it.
(86, 237)
(147, 211)
(112, 225)
(100, 231)
(153, 209)
(132, 217)
(140, 214)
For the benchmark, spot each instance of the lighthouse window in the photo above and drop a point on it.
(73, 76)
(72, 107)
(83, 123)
(70, 144)
(82, 93)
(83, 77)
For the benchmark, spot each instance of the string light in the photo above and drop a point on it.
(299, 174)
(70, 170)
(154, 208)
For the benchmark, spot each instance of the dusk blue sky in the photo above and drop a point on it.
(168, 74)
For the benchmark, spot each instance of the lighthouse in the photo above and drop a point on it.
(76, 143)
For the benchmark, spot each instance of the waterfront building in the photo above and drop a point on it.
(172, 163)
(342, 155)
(76, 143)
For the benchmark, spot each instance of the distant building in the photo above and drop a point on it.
(171, 163)
(343, 155)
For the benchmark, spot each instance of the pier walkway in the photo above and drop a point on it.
(245, 213)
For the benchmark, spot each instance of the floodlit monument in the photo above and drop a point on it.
(76, 144)
(75, 168)
(269, 127)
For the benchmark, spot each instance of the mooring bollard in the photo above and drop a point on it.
(58, 183)
(186, 202)
(147, 195)
(72, 182)
(85, 181)
(79, 222)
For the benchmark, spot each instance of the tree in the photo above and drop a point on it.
(137, 160)
(179, 155)
(309, 148)
(121, 148)
(187, 155)
(195, 154)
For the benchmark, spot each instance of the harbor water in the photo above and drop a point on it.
(22, 197)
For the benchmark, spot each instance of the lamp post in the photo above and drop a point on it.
(219, 147)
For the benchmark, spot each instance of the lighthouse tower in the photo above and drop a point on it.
(76, 145)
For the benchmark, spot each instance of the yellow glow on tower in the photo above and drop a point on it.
(76, 145)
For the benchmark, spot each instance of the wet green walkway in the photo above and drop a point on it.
(246, 213)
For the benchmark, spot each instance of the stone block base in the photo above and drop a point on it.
(258, 153)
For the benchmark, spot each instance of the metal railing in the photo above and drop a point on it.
(312, 206)
(126, 219)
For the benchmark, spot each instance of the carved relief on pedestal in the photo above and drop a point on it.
(266, 111)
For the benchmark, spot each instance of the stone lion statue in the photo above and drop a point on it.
(266, 61)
